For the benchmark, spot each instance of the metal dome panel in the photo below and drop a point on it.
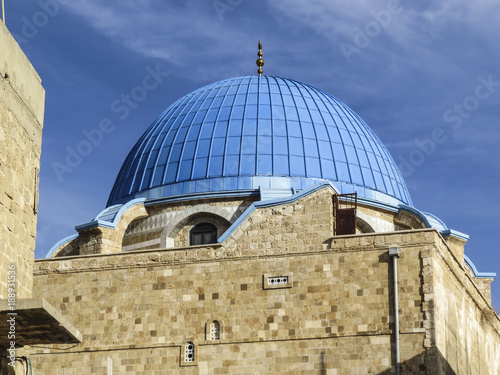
(249, 132)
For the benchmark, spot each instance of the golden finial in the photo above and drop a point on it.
(260, 61)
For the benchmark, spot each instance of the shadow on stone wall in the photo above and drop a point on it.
(425, 363)
(5, 369)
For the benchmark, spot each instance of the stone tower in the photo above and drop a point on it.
(22, 101)
(24, 320)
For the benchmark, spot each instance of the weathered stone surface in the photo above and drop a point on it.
(337, 316)
(21, 120)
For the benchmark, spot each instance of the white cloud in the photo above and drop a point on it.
(414, 25)
(190, 35)
(165, 33)
(333, 18)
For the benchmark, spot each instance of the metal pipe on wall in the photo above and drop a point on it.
(394, 253)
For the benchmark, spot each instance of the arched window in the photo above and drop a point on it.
(203, 233)
(215, 330)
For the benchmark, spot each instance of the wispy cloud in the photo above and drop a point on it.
(184, 34)
(414, 28)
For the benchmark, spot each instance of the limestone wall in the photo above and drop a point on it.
(350, 355)
(467, 328)
(153, 227)
(21, 117)
(332, 314)
(139, 308)
(22, 77)
(301, 225)
(182, 236)
(168, 224)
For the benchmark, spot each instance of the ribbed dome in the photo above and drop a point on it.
(249, 132)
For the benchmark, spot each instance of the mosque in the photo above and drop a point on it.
(259, 226)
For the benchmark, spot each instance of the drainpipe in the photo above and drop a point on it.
(394, 253)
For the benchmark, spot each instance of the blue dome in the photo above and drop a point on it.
(246, 133)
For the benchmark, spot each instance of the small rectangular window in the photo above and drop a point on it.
(274, 281)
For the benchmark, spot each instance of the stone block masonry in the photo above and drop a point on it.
(21, 118)
(139, 310)
(336, 316)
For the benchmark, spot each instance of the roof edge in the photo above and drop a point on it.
(60, 243)
(477, 274)
(116, 216)
(270, 203)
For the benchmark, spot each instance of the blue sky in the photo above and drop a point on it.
(424, 75)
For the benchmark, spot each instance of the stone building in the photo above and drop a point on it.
(259, 227)
(25, 320)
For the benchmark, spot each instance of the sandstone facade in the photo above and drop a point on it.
(137, 310)
(21, 118)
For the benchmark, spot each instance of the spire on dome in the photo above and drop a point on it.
(260, 60)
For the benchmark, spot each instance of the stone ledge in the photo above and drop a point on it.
(218, 252)
(332, 336)
(36, 322)
(384, 240)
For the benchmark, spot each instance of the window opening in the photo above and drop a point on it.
(202, 234)
(189, 352)
(278, 280)
(215, 330)
(273, 281)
